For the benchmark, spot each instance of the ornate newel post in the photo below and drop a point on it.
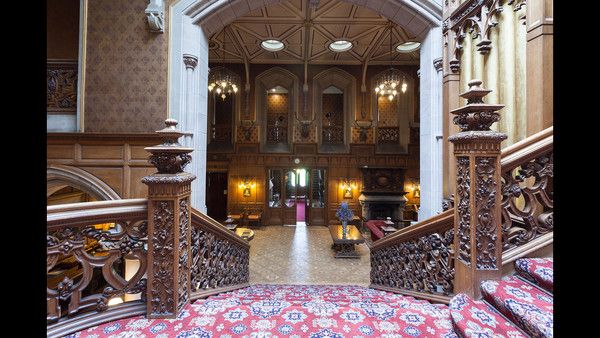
(169, 231)
(477, 223)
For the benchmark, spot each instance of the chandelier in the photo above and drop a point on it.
(222, 80)
(387, 84)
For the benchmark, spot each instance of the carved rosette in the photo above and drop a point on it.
(161, 286)
(463, 184)
(485, 201)
(424, 264)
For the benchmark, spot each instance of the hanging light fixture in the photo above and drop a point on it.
(222, 81)
(387, 84)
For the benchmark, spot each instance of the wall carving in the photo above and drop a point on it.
(485, 202)
(463, 183)
(61, 89)
(161, 287)
(424, 264)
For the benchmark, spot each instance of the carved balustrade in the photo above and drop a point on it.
(417, 260)
(333, 134)
(222, 133)
(87, 245)
(220, 258)
(388, 135)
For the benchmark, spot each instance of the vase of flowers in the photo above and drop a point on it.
(344, 214)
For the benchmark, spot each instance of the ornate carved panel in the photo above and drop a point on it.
(74, 251)
(463, 182)
(217, 262)
(383, 180)
(332, 134)
(161, 287)
(527, 201)
(61, 89)
(485, 202)
(184, 247)
(221, 134)
(388, 135)
(424, 264)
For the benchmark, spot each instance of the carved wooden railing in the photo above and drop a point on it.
(220, 258)
(333, 134)
(388, 135)
(222, 133)
(88, 236)
(419, 260)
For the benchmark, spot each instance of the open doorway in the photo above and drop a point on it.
(216, 195)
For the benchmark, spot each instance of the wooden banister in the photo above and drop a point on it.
(80, 214)
(208, 223)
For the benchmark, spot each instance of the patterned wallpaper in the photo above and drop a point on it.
(388, 116)
(312, 134)
(241, 135)
(126, 68)
(356, 136)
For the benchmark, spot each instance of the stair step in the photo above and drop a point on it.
(477, 319)
(537, 270)
(526, 305)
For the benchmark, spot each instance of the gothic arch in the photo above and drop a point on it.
(347, 83)
(404, 112)
(60, 176)
(272, 77)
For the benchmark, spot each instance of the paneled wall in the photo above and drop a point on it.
(117, 159)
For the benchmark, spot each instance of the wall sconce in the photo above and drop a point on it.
(247, 183)
(348, 185)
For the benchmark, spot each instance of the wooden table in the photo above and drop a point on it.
(343, 244)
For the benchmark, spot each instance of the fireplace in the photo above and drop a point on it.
(383, 193)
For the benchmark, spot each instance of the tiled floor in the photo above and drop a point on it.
(303, 255)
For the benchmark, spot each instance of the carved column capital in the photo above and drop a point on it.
(155, 16)
(190, 61)
(419, 73)
(438, 64)
(477, 206)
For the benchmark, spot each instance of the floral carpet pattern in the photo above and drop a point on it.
(537, 270)
(292, 311)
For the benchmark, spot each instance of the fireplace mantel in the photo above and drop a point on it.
(383, 193)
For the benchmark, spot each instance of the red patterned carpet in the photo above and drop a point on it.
(293, 311)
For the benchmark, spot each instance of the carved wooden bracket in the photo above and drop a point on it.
(155, 16)
(477, 211)
(477, 18)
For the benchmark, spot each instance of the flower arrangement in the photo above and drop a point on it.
(344, 213)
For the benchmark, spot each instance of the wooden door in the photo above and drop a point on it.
(317, 198)
(216, 195)
(289, 196)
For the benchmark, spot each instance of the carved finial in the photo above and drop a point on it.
(476, 115)
(169, 157)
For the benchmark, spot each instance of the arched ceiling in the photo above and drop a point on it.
(307, 32)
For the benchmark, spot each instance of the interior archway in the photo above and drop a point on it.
(60, 176)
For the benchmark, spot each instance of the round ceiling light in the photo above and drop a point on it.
(272, 45)
(340, 46)
(408, 47)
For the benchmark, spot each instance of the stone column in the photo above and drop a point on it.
(169, 230)
(430, 159)
(477, 218)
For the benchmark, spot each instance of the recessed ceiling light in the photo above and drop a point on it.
(340, 46)
(408, 47)
(272, 45)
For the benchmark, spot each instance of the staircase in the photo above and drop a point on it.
(515, 306)
(293, 311)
